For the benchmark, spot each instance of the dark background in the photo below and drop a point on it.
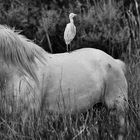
(103, 24)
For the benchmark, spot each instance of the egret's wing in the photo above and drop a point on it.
(73, 31)
(69, 33)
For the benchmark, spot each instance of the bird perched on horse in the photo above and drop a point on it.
(70, 31)
(32, 79)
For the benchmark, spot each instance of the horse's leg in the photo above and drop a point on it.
(121, 108)
(122, 123)
(116, 97)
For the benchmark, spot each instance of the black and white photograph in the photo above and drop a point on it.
(69, 69)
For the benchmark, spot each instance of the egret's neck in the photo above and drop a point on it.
(71, 20)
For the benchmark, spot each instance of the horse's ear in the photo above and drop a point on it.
(18, 51)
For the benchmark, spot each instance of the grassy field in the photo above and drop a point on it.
(98, 27)
(96, 123)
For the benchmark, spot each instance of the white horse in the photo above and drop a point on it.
(65, 82)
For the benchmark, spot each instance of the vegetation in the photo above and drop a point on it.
(109, 25)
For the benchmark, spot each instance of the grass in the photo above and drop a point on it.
(96, 123)
(99, 25)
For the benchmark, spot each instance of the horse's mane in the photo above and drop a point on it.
(17, 50)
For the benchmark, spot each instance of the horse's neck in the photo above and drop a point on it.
(42, 66)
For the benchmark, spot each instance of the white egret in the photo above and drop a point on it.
(70, 30)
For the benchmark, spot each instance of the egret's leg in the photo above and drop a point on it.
(67, 48)
(70, 48)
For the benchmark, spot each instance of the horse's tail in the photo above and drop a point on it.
(18, 51)
(122, 65)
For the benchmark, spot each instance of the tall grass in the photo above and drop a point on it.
(102, 24)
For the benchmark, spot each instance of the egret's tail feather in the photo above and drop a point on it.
(17, 50)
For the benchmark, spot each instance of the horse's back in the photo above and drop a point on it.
(82, 75)
(116, 93)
